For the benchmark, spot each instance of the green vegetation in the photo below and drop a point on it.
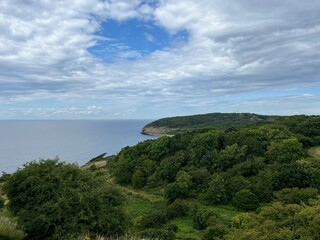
(174, 125)
(8, 227)
(249, 181)
(315, 152)
(55, 200)
(246, 168)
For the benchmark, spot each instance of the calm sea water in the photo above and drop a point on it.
(72, 141)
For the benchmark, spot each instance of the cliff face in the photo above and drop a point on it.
(157, 131)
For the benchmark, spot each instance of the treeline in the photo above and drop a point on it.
(244, 167)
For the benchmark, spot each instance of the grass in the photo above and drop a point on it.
(226, 212)
(140, 203)
(9, 229)
(138, 206)
(185, 224)
(185, 228)
(315, 152)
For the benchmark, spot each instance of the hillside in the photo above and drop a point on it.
(259, 181)
(174, 125)
(252, 182)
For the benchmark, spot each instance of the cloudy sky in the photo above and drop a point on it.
(134, 59)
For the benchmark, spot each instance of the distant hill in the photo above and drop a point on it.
(174, 125)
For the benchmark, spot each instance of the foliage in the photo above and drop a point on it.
(246, 200)
(138, 179)
(287, 150)
(2, 201)
(296, 195)
(153, 220)
(250, 161)
(160, 234)
(214, 165)
(217, 192)
(202, 218)
(56, 200)
(211, 120)
(278, 221)
(178, 208)
(215, 232)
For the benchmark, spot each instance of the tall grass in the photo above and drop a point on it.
(9, 229)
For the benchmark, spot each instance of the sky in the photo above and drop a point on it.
(134, 59)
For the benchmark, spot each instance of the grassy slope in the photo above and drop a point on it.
(140, 203)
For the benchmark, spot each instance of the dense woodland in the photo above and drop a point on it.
(259, 181)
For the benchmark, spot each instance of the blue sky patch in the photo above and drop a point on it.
(133, 39)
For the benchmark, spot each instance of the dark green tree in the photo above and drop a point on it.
(246, 200)
(1, 202)
(138, 179)
(55, 200)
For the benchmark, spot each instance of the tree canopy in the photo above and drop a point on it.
(55, 200)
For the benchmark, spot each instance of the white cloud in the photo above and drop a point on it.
(234, 48)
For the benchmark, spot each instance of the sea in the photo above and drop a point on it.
(73, 141)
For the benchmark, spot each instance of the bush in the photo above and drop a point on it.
(296, 195)
(246, 200)
(152, 220)
(215, 232)
(138, 179)
(202, 218)
(1, 202)
(172, 192)
(56, 200)
(160, 234)
(178, 208)
(171, 227)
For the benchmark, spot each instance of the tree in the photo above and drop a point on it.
(232, 155)
(296, 195)
(138, 179)
(180, 188)
(246, 200)
(217, 192)
(286, 151)
(202, 218)
(55, 200)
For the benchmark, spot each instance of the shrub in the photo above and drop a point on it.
(138, 179)
(152, 220)
(202, 218)
(296, 195)
(56, 200)
(160, 234)
(1, 202)
(246, 200)
(215, 232)
(172, 192)
(178, 208)
(171, 227)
